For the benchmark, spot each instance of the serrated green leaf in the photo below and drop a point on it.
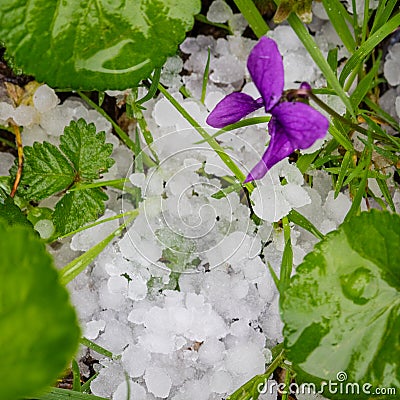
(39, 331)
(46, 172)
(10, 213)
(342, 309)
(77, 208)
(86, 149)
(94, 45)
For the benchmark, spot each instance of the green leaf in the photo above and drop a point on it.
(46, 172)
(366, 48)
(86, 149)
(94, 45)
(78, 208)
(39, 331)
(342, 309)
(10, 213)
(366, 83)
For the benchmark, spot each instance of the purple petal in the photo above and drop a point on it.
(232, 108)
(292, 126)
(266, 69)
(300, 123)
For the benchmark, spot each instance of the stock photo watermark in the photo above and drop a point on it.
(340, 386)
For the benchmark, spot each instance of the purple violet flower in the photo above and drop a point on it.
(293, 125)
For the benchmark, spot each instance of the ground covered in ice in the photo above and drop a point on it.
(185, 296)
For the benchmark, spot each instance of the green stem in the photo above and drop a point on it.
(332, 112)
(96, 347)
(204, 20)
(212, 142)
(122, 135)
(252, 385)
(102, 221)
(253, 17)
(83, 186)
(76, 266)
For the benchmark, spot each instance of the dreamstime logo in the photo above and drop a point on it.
(340, 386)
(187, 221)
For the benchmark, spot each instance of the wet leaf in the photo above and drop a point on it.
(39, 330)
(94, 45)
(342, 309)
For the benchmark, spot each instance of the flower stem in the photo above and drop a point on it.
(332, 112)
(18, 175)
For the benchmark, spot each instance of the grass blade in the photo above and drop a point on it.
(300, 220)
(339, 16)
(76, 374)
(76, 266)
(343, 172)
(239, 124)
(383, 13)
(355, 206)
(366, 48)
(205, 77)
(153, 87)
(63, 394)
(95, 347)
(212, 142)
(365, 84)
(386, 193)
(253, 17)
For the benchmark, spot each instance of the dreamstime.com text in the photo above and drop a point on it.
(340, 386)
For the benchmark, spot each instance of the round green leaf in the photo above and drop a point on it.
(94, 45)
(39, 331)
(342, 309)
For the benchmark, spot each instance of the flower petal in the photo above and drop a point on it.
(300, 123)
(292, 126)
(266, 69)
(232, 108)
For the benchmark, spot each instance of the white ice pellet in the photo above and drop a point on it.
(136, 392)
(6, 162)
(245, 359)
(227, 69)
(337, 208)
(93, 328)
(86, 239)
(137, 289)
(219, 12)
(398, 106)
(295, 195)
(391, 71)
(25, 115)
(158, 381)
(6, 111)
(211, 351)
(221, 382)
(45, 98)
(135, 360)
(45, 227)
(117, 284)
(190, 45)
